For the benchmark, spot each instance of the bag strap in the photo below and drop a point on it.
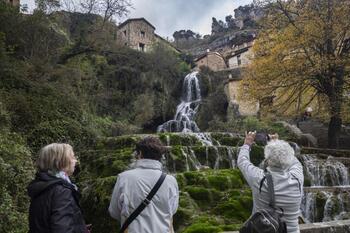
(270, 189)
(143, 204)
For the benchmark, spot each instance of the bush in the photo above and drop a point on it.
(16, 171)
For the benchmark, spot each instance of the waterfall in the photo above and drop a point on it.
(308, 206)
(329, 180)
(329, 172)
(185, 112)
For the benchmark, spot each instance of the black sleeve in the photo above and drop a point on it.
(62, 211)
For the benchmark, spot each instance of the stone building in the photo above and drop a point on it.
(136, 33)
(237, 59)
(213, 60)
(240, 55)
(13, 2)
(139, 34)
(237, 100)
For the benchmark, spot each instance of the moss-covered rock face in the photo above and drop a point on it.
(210, 201)
(213, 194)
(220, 194)
(104, 163)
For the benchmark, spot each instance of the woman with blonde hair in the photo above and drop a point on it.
(54, 206)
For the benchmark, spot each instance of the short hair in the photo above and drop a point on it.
(54, 157)
(150, 148)
(279, 154)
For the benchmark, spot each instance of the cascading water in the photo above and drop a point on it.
(329, 172)
(187, 109)
(183, 122)
(329, 180)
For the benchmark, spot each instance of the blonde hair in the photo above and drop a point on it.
(55, 157)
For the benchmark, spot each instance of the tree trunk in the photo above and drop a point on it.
(334, 128)
(336, 101)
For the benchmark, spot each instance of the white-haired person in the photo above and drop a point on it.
(54, 206)
(287, 176)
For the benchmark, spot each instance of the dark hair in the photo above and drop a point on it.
(150, 148)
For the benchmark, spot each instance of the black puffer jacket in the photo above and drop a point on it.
(54, 206)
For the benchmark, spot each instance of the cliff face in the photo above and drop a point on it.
(234, 31)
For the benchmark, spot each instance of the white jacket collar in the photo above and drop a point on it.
(148, 164)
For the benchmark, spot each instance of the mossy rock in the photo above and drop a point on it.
(320, 200)
(182, 218)
(95, 201)
(203, 228)
(222, 179)
(225, 139)
(104, 163)
(179, 139)
(236, 205)
(196, 178)
(200, 194)
(176, 160)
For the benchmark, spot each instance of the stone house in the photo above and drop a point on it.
(213, 60)
(240, 55)
(13, 2)
(137, 33)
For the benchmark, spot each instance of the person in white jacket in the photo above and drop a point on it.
(287, 174)
(134, 185)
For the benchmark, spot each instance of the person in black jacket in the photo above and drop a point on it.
(54, 206)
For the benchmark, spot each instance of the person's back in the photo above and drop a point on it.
(287, 174)
(288, 196)
(131, 189)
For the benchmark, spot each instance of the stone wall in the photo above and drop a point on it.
(245, 107)
(233, 62)
(137, 34)
(213, 60)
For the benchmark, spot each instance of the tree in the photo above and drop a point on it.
(303, 51)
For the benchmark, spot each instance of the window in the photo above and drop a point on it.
(142, 34)
(239, 61)
(124, 32)
(141, 47)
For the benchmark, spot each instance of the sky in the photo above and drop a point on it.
(169, 16)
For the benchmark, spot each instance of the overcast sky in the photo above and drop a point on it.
(172, 15)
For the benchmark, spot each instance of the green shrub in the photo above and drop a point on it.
(16, 171)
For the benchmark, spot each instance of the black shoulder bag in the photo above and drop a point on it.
(143, 204)
(266, 220)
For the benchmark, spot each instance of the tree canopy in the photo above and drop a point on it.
(302, 55)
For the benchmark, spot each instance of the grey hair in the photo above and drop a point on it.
(279, 154)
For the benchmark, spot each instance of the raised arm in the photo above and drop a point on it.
(251, 173)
